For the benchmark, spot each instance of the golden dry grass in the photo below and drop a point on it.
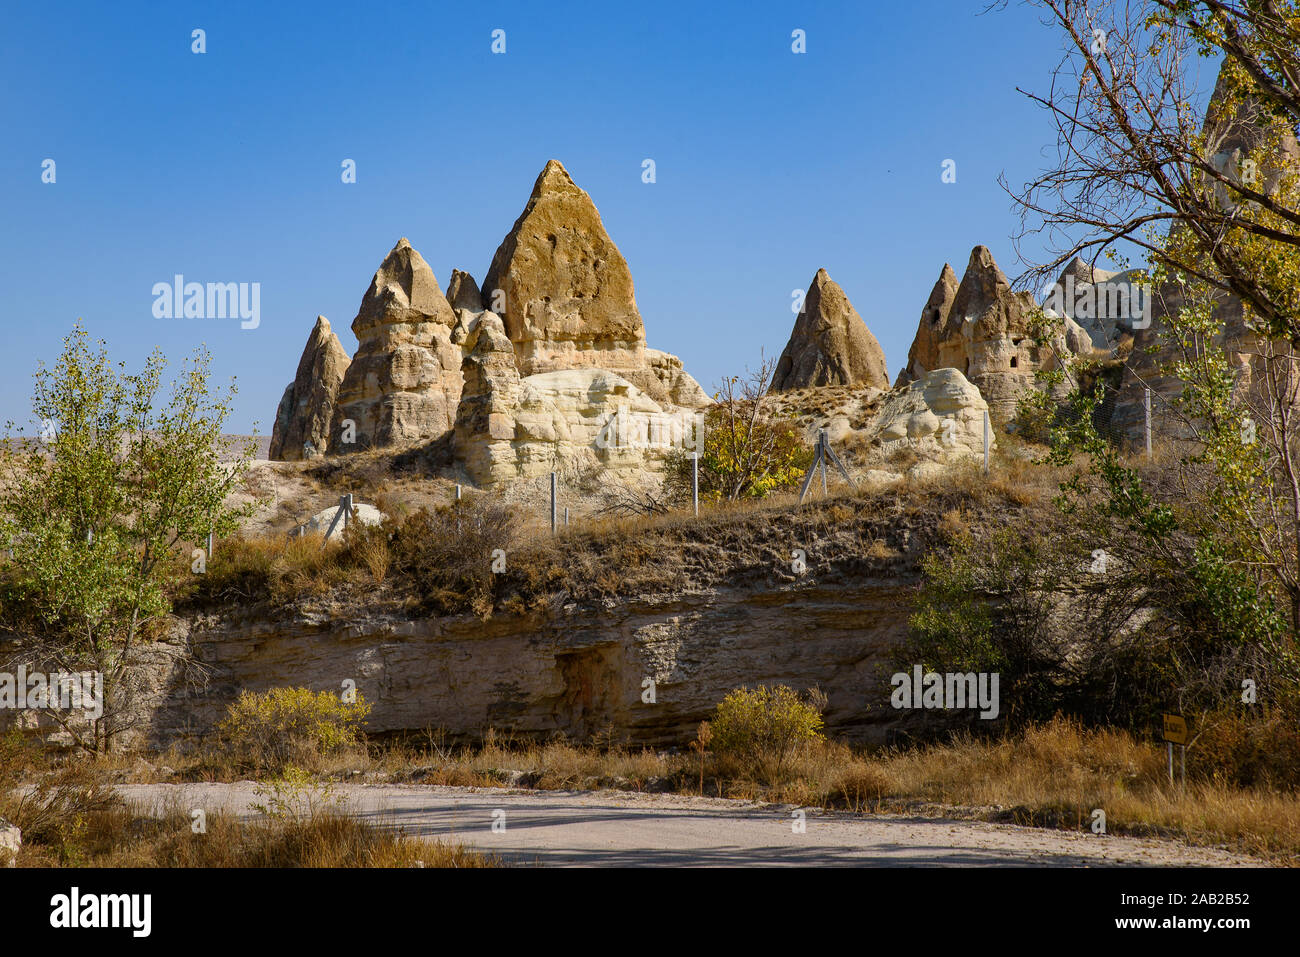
(1053, 775)
(129, 837)
(71, 817)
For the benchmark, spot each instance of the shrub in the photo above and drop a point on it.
(1112, 636)
(442, 557)
(54, 810)
(447, 552)
(760, 731)
(1250, 750)
(295, 795)
(289, 726)
(747, 451)
(742, 458)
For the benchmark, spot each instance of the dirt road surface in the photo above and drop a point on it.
(620, 828)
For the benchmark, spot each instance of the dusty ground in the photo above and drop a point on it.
(568, 828)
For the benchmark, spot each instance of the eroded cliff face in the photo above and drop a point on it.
(572, 672)
(714, 623)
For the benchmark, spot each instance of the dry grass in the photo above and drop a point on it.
(600, 556)
(129, 837)
(70, 816)
(1052, 775)
(439, 563)
(1056, 774)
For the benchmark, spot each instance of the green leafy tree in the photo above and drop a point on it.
(102, 512)
(1213, 204)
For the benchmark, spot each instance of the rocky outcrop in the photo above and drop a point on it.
(485, 417)
(572, 673)
(463, 292)
(565, 290)
(323, 522)
(565, 356)
(11, 842)
(676, 386)
(720, 615)
(1101, 309)
(405, 380)
(302, 421)
(1149, 366)
(981, 327)
(940, 417)
(985, 335)
(510, 428)
(1238, 128)
(830, 344)
(923, 357)
(558, 296)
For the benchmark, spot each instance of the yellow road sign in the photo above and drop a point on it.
(1175, 727)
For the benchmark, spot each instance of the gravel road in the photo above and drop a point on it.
(601, 828)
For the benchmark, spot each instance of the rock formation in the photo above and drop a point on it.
(830, 344)
(923, 357)
(939, 416)
(404, 381)
(508, 427)
(677, 385)
(566, 294)
(557, 299)
(1149, 366)
(982, 330)
(302, 421)
(981, 327)
(566, 289)
(1101, 309)
(485, 417)
(575, 666)
(323, 522)
(463, 292)
(556, 372)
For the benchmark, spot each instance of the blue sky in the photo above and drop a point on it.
(225, 166)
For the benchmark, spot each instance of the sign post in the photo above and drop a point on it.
(1175, 732)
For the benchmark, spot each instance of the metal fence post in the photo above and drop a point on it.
(552, 503)
(1146, 409)
(988, 435)
(695, 482)
(822, 442)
